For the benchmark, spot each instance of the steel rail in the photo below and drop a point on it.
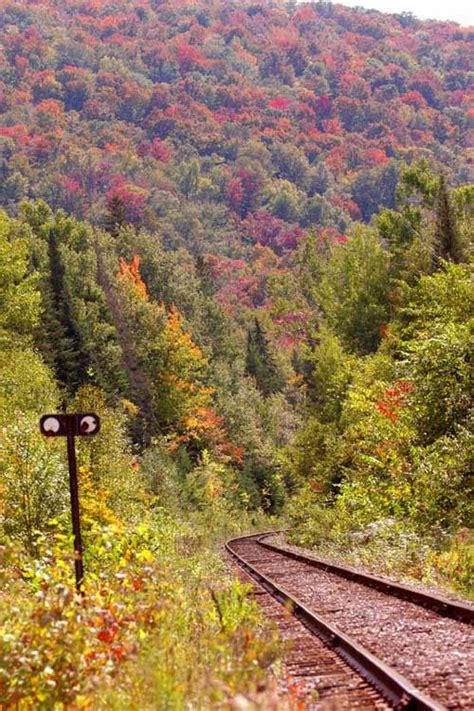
(441, 605)
(392, 685)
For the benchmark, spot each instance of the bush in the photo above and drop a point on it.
(188, 633)
(33, 481)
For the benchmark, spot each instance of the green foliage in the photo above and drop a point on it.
(291, 164)
(418, 180)
(219, 149)
(19, 297)
(173, 365)
(353, 291)
(31, 476)
(456, 562)
(76, 335)
(375, 188)
(441, 366)
(394, 481)
(285, 200)
(314, 456)
(28, 385)
(33, 481)
(446, 237)
(327, 370)
(122, 481)
(190, 117)
(462, 203)
(442, 488)
(188, 178)
(260, 363)
(437, 343)
(429, 225)
(436, 300)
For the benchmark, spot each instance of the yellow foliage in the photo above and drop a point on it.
(130, 407)
(94, 506)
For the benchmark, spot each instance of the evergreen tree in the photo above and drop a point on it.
(260, 362)
(116, 215)
(75, 334)
(70, 359)
(446, 239)
(204, 272)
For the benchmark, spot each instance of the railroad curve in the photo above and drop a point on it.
(417, 650)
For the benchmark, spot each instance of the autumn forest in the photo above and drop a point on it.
(242, 234)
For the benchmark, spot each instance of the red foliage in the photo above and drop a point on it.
(234, 194)
(395, 398)
(72, 186)
(160, 151)
(189, 56)
(281, 103)
(22, 65)
(251, 186)
(52, 108)
(415, 99)
(342, 87)
(41, 148)
(375, 156)
(18, 132)
(264, 228)
(133, 197)
(304, 14)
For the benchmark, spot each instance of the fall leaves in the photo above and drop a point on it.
(394, 399)
(176, 369)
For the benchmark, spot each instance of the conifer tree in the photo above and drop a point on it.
(70, 359)
(205, 275)
(116, 215)
(75, 334)
(260, 362)
(446, 239)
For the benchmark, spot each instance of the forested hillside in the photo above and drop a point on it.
(242, 234)
(216, 121)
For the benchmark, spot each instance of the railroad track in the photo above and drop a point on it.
(408, 649)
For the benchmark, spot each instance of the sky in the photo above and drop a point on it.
(461, 11)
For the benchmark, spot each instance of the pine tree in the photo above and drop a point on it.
(260, 362)
(116, 215)
(446, 238)
(70, 359)
(204, 272)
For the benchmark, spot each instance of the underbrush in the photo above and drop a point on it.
(385, 545)
(161, 621)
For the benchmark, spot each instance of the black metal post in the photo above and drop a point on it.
(74, 489)
(63, 425)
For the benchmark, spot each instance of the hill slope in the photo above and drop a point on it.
(214, 291)
(225, 124)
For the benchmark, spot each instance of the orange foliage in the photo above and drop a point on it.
(131, 273)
